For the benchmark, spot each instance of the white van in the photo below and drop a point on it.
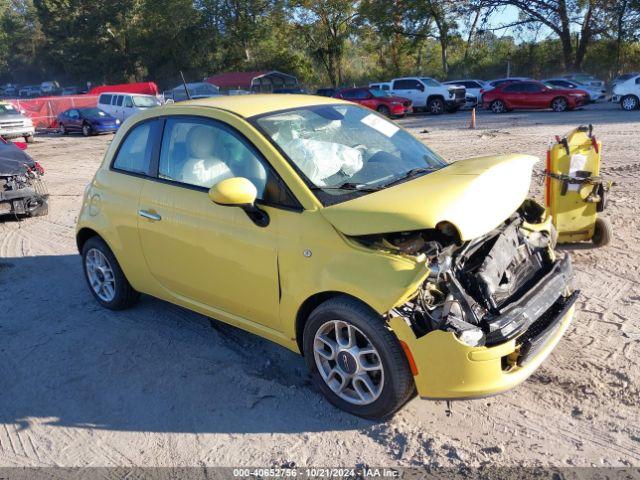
(123, 105)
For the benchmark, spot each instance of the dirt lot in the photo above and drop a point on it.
(158, 386)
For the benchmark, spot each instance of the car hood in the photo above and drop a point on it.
(475, 195)
(14, 161)
(12, 117)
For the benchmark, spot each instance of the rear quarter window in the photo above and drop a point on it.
(105, 99)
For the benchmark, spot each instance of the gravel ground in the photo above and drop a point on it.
(158, 386)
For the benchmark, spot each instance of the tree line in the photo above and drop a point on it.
(322, 42)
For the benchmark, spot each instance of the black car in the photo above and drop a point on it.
(22, 190)
(88, 121)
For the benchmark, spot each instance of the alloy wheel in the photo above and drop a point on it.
(100, 275)
(436, 107)
(498, 107)
(348, 362)
(559, 105)
(629, 103)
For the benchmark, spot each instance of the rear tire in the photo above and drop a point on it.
(603, 232)
(498, 106)
(105, 278)
(392, 382)
(86, 130)
(63, 130)
(629, 103)
(435, 106)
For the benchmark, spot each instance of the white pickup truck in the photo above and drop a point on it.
(627, 93)
(428, 94)
(13, 124)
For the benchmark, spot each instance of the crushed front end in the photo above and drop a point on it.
(22, 189)
(490, 310)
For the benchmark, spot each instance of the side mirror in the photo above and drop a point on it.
(239, 192)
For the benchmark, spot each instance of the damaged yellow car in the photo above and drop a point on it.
(324, 227)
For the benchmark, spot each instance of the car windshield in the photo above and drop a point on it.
(145, 101)
(430, 82)
(6, 109)
(344, 151)
(380, 93)
(93, 112)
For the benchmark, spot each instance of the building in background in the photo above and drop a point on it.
(255, 82)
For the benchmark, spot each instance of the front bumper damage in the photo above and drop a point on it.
(489, 312)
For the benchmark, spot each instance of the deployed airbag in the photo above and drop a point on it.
(320, 160)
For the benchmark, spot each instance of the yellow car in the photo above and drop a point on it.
(326, 228)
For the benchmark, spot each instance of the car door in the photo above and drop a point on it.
(514, 95)
(411, 89)
(207, 255)
(74, 122)
(538, 96)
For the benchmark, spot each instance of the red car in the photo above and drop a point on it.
(532, 95)
(378, 100)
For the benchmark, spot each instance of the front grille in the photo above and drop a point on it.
(11, 124)
(538, 333)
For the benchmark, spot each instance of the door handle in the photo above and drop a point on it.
(151, 216)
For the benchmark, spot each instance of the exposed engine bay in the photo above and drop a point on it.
(487, 290)
(22, 190)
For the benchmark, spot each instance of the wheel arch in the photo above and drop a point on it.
(83, 236)
(558, 98)
(435, 96)
(310, 304)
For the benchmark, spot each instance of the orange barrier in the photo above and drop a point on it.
(45, 110)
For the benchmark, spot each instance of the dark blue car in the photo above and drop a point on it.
(88, 121)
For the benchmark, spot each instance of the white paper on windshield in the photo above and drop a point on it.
(380, 124)
(577, 163)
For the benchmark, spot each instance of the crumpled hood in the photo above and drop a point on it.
(13, 160)
(475, 195)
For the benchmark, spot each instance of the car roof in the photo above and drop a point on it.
(258, 104)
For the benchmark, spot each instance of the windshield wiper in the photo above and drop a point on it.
(414, 172)
(357, 187)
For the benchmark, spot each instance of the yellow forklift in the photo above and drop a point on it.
(575, 193)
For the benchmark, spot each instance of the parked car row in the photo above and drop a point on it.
(45, 89)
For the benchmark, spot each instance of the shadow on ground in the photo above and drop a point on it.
(66, 361)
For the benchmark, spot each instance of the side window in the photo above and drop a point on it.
(360, 94)
(202, 153)
(127, 102)
(532, 88)
(134, 152)
(513, 88)
(349, 94)
(404, 85)
(105, 99)
(119, 100)
(638, 81)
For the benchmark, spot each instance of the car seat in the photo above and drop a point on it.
(203, 167)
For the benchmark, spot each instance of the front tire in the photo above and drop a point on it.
(105, 278)
(63, 130)
(629, 103)
(435, 106)
(384, 110)
(29, 139)
(559, 104)
(355, 360)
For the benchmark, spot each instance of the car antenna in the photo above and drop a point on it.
(186, 89)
